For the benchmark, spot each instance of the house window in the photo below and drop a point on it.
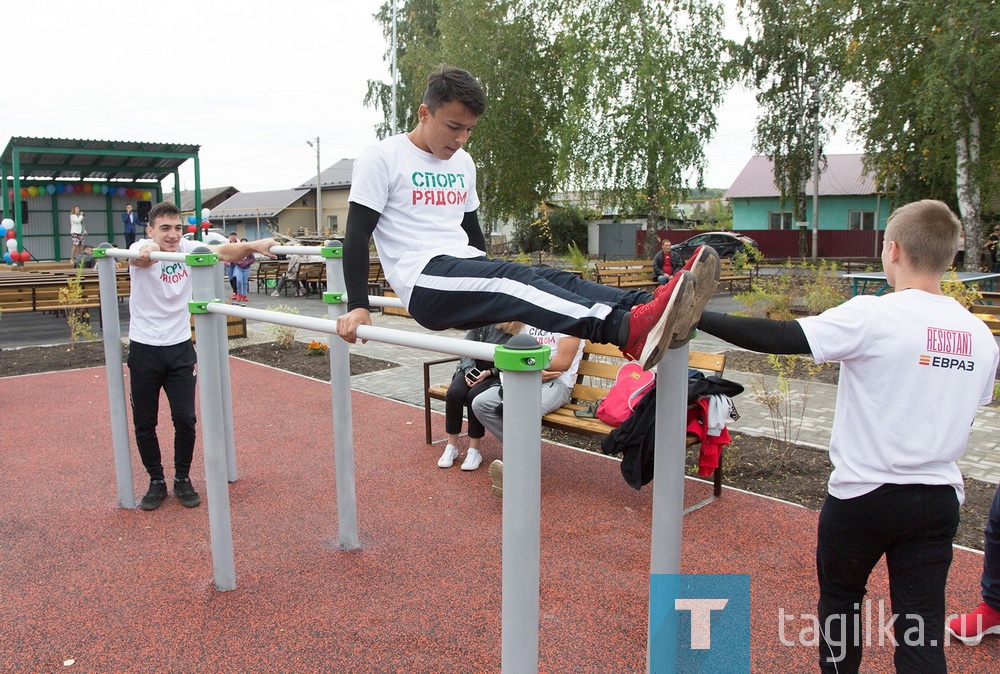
(780, 220)
(861, 220)
(331, 223)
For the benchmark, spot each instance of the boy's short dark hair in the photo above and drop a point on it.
(454, 84)
(162, 209)
(928, 231)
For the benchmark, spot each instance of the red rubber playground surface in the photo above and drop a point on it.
(116, 590)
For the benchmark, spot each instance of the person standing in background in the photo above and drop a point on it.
(241, 271)
(76, 232)
(129, 221)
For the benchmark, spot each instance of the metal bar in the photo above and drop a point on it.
(522, 501)
(226, 383)
(343, 421)
(457, 347)
(668, 469)
(213, 437)
(112, 333)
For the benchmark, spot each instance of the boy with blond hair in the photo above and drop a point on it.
(915, 364)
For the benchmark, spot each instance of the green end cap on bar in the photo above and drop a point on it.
(100, 252)
(522, 360)
(200, 307)
(328, 252)
(201, 259)
(333, 298)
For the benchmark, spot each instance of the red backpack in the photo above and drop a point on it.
(631, 384)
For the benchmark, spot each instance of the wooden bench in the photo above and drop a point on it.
(598, 368)
(40, 292)
(728, 275)
(625, 274)
(989, 313)
(312, 278)
(267, 274)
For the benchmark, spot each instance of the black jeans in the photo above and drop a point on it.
(459, 396)
(913, 526)
(170, 368)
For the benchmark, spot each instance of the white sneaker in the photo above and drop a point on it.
(472, 459)
(275, 293)
(447, 459)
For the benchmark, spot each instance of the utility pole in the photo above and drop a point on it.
(816, 101)
(392, 121)
(319, 191)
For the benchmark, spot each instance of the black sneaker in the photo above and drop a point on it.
(185, 493)
(154, 497)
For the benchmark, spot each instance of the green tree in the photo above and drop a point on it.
(791, 60)
(503, 43)
(643, 79)
(928, 72)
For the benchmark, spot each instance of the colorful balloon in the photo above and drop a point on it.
(205, 224)
(24, 192)
(7, 223)
(50, 188)
(78, 188)
(25, 256)
(147, 196)
(192, 220)
(10, 235)
(7, 258)
(205, 213)
(11, 243)
(60, 188)
(88, 188)
(192, 229)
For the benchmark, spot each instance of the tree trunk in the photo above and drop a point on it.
(967, 187)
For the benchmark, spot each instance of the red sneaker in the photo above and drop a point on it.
(705, 266)
(235, 296)
(972, 627)
(652, 327)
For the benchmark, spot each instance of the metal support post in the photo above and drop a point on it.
(226, 382)
(203, 268)
(112, 332)
(522, 361)
(340, 390)
(668, 468)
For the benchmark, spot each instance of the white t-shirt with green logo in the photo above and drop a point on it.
(158, 300)
(422, 201)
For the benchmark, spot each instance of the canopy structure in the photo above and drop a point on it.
(124, 162)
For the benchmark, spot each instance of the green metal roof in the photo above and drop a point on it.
(92, 159)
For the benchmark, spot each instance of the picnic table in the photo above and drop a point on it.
(860, 281)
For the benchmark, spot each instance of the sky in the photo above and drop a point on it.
(250, 81)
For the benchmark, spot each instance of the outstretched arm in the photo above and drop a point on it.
(361, 222)
(231, 252)
(757, 334)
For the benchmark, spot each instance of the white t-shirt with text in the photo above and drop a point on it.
(421, 200)
(158, 301)
(914, 368)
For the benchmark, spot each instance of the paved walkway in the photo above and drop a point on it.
(814, 402)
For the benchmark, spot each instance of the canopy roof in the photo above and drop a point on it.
(25, 158)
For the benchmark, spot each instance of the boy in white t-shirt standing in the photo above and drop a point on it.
(416, 193)
(915, 365)
(161, 354)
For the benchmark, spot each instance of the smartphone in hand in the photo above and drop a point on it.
(473, 374)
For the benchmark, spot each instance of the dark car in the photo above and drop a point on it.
(726, 244)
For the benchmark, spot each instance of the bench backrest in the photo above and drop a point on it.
(600, 364)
